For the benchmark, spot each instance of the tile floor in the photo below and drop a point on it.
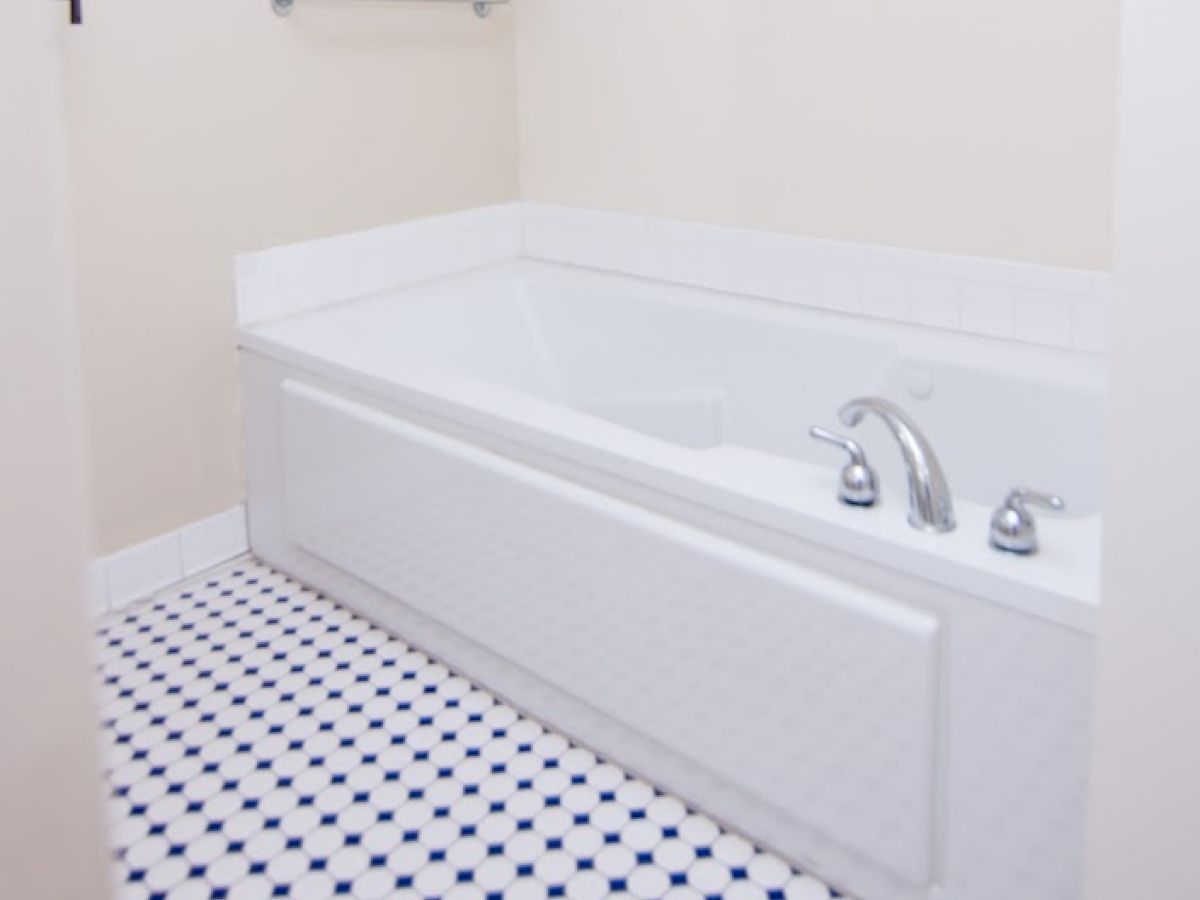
(263, 741)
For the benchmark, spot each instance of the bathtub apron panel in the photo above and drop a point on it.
(817, 696)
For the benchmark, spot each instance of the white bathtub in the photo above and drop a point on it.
(597, 494)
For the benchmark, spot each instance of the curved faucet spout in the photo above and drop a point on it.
(930, 504)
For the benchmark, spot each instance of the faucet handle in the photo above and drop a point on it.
(1014, 530)
(859, 486)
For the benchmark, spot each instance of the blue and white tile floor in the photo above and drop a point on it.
(263, 741)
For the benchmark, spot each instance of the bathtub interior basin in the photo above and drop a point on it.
(701, 371)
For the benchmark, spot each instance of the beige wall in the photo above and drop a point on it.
(50, 841)
(978, 128)
(1145, 815)
(204, 129)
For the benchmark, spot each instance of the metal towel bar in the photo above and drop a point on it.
(481, 7)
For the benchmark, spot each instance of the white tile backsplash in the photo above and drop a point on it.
(995, 298)
(774, 267)
(1089, 322)
(1042, 317)
(214, 540)
(287, 280)
(686, 253)
(585, 237)
(936, 301)
(887, 291)
(841, 282)
(987, 309)
(1005, 300)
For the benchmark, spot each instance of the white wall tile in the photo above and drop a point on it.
(1089, 322)
(140, 571)
(287, 280)
(841, 275)
(997, 298)
(1062, 281)
(980, 296)
(987, 309)
(299, 276)
(970, 269)
(887, 292)
(257, 295)
(588, 238)
(778, 267)
(343, 276)
(95, 588)
(492, 235)
(686, 253)
(1042, 317)
(936, 301)
(213, 541)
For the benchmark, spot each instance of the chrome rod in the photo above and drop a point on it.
(481, 7)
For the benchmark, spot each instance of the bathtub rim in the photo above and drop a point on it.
(1061, 591)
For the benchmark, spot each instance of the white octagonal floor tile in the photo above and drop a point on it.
(264, 742)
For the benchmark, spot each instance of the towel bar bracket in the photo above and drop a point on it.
(482, 7)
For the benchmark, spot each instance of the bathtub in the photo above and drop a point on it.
(597, 494)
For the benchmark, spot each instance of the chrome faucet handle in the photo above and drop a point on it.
(858, 485)
(1014, 530)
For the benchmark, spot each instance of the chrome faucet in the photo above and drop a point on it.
(930, 504)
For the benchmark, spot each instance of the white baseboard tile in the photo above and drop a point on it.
(95, 589)
(140, 571)
(213, 541)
